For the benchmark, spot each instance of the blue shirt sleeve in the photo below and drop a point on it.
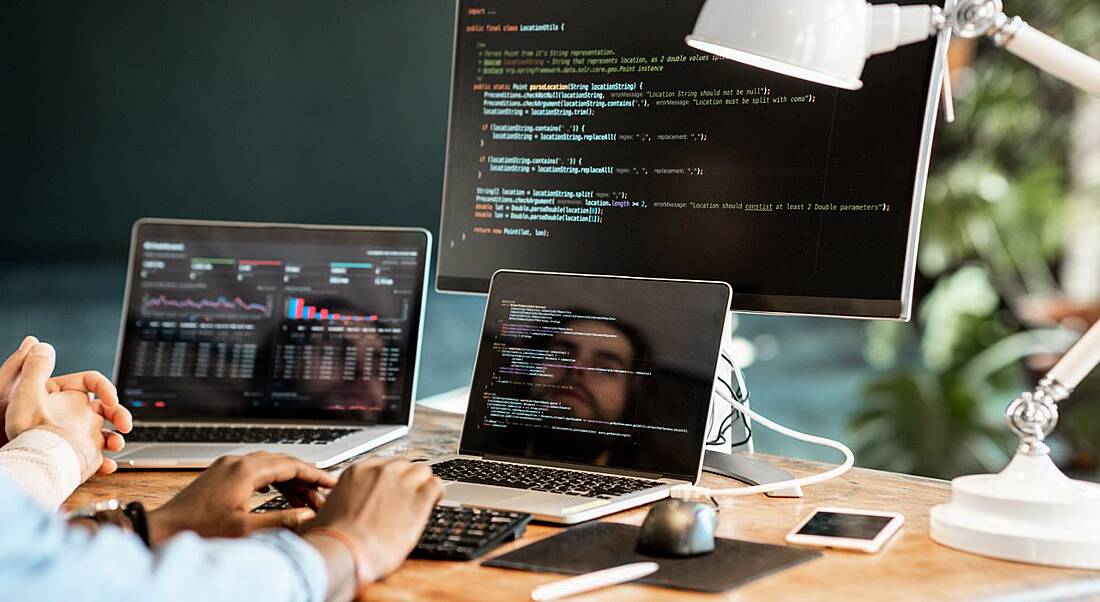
(43, 558)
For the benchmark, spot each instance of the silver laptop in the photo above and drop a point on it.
(296, 339)
(590, 394)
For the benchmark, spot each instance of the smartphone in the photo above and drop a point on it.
(848, 529)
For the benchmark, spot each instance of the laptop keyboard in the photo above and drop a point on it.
(236, 434)
(538, 478)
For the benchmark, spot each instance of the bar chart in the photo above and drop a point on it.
(298, 309)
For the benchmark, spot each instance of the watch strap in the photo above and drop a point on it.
(139, 520)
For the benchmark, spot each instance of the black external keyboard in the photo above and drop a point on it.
(461, 533)
(235, 434)
(538, 478)
(453, 532)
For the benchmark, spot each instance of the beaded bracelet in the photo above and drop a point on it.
(362, 579)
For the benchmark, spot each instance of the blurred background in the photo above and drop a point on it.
(336, 112)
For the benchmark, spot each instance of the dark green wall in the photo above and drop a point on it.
(311, 111)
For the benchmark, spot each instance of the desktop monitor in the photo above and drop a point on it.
(586, 136)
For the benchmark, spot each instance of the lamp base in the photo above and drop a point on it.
(1030, 512)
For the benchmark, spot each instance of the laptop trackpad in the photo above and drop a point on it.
(181, 452)
(467, 493)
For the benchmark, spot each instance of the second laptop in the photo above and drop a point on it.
(590, 394)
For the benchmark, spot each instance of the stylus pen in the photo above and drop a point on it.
(595, 580)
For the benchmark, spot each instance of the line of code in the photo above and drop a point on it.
(583, 131)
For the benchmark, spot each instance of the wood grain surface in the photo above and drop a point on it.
(912, 566)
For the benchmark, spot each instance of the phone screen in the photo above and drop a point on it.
(850, 526)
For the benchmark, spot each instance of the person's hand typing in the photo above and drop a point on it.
(62, 405)
(216, 504)
(382, 506)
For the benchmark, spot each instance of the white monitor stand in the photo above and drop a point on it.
(723, 459)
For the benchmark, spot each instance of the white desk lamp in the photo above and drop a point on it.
(1030, 512)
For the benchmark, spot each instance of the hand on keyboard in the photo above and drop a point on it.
(382, 506)
(216, 503)
(452, 532)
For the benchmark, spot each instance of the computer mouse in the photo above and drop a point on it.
(678, 528)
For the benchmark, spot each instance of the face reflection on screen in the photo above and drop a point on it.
(600, 386)
(594, 376)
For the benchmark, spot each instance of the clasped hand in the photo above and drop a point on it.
(74, 406)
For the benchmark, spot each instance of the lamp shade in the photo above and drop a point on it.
(823, 41)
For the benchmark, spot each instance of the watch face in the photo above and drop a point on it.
(107, 505)
(106, 511)
(91, 510)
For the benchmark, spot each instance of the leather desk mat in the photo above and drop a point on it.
(594, 546)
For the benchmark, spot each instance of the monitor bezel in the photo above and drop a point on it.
(784, 305)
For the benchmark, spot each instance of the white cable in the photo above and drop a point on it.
(691, 491)
(711, 426)
(740, 376)
(719, 438)
(743, 389)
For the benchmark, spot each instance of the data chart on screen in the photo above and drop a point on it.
(322, 326)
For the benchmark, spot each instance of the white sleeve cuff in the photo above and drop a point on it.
(44, 465)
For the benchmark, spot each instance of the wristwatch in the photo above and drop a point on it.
(129, 517)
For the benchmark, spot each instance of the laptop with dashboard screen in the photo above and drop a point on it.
(590, 394)
(238, 337)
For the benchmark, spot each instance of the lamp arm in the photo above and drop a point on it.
(1048, 54)
(1079, 361)
(977, 18)
(1034, 414)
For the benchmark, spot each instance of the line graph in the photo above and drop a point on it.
(220, 305)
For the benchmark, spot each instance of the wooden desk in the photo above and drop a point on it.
(911, 567)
